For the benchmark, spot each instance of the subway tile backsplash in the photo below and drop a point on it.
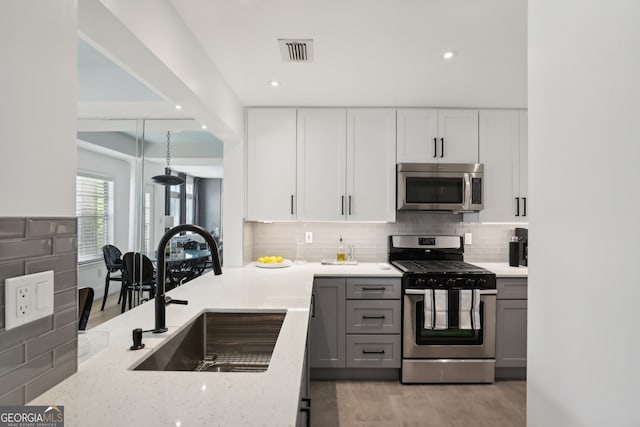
(490, 241)
(36, 356)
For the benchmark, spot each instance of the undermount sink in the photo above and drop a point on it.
(219, 342)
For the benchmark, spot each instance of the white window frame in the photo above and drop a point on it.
(94, 252)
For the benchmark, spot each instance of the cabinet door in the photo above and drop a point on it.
(416, 134)
(371, 160)
(327, 324)
(457, 136)
(271, 163)
(511, 333)
(499, 151)
(322, 164)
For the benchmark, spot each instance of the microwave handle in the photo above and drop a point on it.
(441, 147)
(466, 198)
(435, 147)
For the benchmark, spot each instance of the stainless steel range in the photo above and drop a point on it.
(449, 312)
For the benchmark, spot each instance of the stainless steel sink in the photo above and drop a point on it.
(219, 342)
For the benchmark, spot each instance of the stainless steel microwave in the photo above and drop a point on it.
(453, 187)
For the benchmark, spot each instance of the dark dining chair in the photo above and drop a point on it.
(85, 301)
(139, 275)
(113, 262)
(191, 245)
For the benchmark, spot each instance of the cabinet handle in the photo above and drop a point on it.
(349, 205)
(373, 317)
(341, 205)
(292, 204)
(435, 147)
(517, 206)
(373, 352)
(313, 305)
(381, 288)
(441, 147)
(524, 202)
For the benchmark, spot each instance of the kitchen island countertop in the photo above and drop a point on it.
(106, 392)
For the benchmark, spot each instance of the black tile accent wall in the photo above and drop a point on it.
(36, 356)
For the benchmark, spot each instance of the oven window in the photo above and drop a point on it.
(434, 190)
(446, 336)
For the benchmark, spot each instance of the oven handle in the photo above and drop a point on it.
(421, 292)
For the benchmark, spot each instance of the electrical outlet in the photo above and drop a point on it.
(28, 298)
(468, 239)
(23, 301)
(308, 237)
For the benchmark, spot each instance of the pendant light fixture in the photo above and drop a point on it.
(167, 178)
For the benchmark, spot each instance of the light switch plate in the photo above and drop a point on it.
(468, 239)
(28, 298)
(308, 237)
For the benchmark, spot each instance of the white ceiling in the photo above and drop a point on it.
(368, 52)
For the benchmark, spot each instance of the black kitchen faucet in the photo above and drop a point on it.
(160, 298)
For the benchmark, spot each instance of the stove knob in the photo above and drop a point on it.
(451, 283)
(469, 283)
(419, 282)
(482, 283)
(431, 283)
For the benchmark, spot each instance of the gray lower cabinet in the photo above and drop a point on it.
(511, 328)
(355, 323)
(327, 323)
(373, 351)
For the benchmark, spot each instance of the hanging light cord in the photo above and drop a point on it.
(168, 147)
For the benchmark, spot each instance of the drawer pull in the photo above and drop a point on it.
(373, 317)
(380, 288)
(373, 352)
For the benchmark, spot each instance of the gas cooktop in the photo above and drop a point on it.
(438, 267)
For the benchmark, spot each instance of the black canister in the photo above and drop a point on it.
(514, 252)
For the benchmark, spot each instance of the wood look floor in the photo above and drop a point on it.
(391, 404)
(111, 310)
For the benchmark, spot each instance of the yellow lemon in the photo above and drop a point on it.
(261, 259)
(278, 259)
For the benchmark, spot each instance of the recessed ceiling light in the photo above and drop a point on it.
(274, 83)
(448, 54)
(204, 126)
(178, 107)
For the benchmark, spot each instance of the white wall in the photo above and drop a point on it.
(584, 147)
(92, 275)
(38, 108)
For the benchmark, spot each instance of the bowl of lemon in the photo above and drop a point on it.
(271, 261)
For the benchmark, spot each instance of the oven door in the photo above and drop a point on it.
(445, 191)
(418, 342)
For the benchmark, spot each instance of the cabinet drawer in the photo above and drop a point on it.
(373, 351)
(373, 288)
(373, 317)
(512, 288)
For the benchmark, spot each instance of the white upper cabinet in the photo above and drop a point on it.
(271, 164)
(503, 150)
(346, 164)
(322, 158)
(371, 159)
(427, 135)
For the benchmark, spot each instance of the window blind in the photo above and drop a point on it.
(94, 209)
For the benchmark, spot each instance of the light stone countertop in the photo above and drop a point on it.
(105, 392)
(503, 269)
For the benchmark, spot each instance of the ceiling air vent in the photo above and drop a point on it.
(296, 50)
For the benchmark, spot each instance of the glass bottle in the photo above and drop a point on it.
(341, 256)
